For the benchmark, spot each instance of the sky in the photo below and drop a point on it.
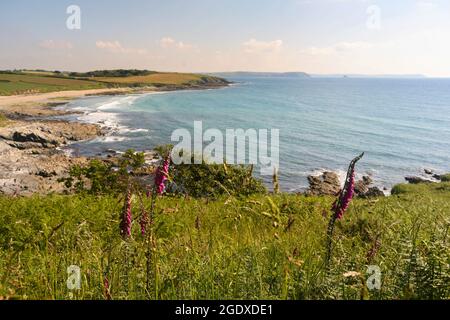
(314, 36)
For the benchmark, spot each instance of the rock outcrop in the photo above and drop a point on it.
(48, 134)
(373, 192)
(362, 186)
(329, 184)
(29, 160)
(326, 184)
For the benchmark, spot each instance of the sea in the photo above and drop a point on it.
(402, 125)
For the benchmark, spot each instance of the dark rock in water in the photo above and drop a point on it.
(362, 186)
(428, 171)
(417, 180)
(373, 192)
(437, 177)
(326, 184)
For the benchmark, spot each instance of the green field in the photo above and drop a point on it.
(257, 247)
(29, 82)
(12, 84)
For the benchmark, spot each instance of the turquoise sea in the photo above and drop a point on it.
(403, 125)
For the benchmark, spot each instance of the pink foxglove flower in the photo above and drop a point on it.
(341, 205)
(161, 176)
(346, 195)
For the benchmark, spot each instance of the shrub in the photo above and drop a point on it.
(400, 189)
(101, 177)
(200, 181)
(213, 180)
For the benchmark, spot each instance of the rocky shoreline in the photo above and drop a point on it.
(329, 183)
(30, 159)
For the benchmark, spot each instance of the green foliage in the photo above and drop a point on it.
(421, 188)
(203, 180)
(401, 188)
(100, 177)
(445, 178)
(213, 180)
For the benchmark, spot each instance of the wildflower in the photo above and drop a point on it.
(346, 195)
(161, 176)
(341, 205)
(125, 224)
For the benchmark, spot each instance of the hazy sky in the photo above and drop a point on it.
(315, 36)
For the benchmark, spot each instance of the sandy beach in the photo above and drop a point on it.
(38, 104)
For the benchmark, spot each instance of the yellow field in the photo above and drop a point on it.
(156, 78)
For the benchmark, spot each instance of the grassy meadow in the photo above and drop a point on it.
(256, 247)
(13, 84)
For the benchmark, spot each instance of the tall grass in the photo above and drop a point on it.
(254, 247)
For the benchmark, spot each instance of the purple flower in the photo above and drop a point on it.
(161, 176)
(346, 195)
(341, 204)
(125, 224)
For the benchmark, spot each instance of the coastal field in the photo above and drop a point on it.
(255, 247)
(14, 84)
(159, 79)
(33, 82)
